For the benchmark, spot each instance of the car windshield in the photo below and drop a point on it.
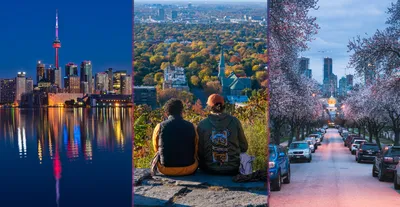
(370, 147)
(298, 146)
(272, 153)
(394, 151)
(358, 141)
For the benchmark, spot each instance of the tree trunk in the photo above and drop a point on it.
(292, 134)
(359, 131)
(377, 139)
(297, 133)
(302, 132)
(397, 138)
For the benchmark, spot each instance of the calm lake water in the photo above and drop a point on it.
(65, 157)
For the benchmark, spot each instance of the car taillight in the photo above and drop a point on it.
(388, 159)
(360, 150)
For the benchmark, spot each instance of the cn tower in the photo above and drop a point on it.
(56, 43)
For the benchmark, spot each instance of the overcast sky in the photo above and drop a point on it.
(340, 21)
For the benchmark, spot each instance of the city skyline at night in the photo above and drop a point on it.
(99, 34)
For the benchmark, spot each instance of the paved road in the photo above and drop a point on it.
(334, 179)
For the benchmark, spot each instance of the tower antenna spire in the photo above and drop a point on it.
(56, 23)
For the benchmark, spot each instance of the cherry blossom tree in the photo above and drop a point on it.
(291, 100)
(382, 49)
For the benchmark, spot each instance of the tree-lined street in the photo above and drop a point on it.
(334, 178)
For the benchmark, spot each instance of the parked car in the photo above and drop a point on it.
(355, 145)
(279, 167)
(299, 150)
(385, 162)
(344, 134)
(313, 141)
(320, 134)
(311, 145)
(317, 138)
(367, 152)
(349, 139)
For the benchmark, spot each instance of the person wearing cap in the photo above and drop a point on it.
(175, 142)
(221, 140)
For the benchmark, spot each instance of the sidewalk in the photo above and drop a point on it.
(195, 190)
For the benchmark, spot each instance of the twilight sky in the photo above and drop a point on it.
(340, 21)
(96, 30)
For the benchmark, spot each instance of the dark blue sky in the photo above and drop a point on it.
(96, 30)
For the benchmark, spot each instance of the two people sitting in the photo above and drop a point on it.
(214, 145)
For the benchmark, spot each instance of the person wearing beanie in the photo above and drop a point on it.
(221, 140)
(175, 142)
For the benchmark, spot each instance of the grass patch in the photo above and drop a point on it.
(256, 134)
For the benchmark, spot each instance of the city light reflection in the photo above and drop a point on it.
(76, 133)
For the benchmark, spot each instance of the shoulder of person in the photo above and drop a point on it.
(235, 119)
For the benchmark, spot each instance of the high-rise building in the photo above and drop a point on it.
(110, 79)
(161, 14)
(84, 87)
(86, 74)
(20, 85)
(101, 82)
(342, 87)
(29, 85)
(328, 88)
(72, 84)
(57, 77)
(71, 69)
(309, 73)
(349, 85)
(40, 71)
(174, 15)
(304, 65)
(333, 85)
(126, 85)
(327, 68)
(8, 89)
(50, 75)
(117, 80)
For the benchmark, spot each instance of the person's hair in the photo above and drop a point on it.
(173, 107)
(217, 108)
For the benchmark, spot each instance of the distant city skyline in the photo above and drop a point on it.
(101, 34)
(341, 21)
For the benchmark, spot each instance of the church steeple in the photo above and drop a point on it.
(221, 72)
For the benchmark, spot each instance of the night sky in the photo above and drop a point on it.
(96, 30)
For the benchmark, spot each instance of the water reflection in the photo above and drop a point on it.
(76, 130)
(57, 138)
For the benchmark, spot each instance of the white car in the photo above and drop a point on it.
(313, 141)
(311, 145)
(317, 138)
(299, 150)
(356, 145)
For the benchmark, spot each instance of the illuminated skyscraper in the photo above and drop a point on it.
(71, 69)
(40, 71)
(102, 82)
(29, 85)
(86, 74)
(117, 80)
(20, 85)
(84, 87)
(72, 84)
(126, 85)
(110, 80)
(7, 88)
